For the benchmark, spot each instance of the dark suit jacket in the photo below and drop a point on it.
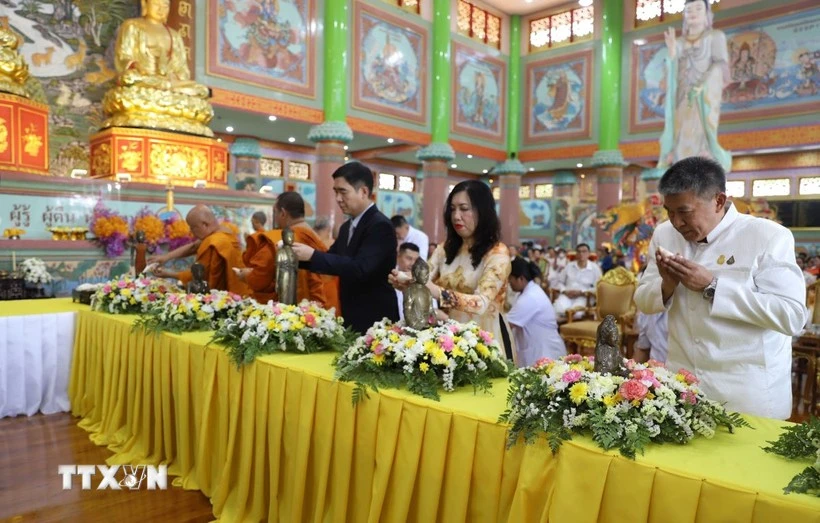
(362, 268)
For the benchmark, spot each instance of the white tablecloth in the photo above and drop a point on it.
(35, 362)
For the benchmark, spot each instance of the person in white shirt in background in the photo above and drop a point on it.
(733, 291)
(653, 335)
(407, 234)
(408, 254)
(558, 262)
(579, 276)
(532, 319)
(807, 276)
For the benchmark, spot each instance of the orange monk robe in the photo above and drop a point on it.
(309, 285)
(219, 252)
(260, 256)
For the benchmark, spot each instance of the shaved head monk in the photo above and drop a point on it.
(218, 251)
(260, 261)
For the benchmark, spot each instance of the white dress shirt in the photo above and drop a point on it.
(739, 345)
(575, 278)
(653, 334)
(419, 239)
(533, 324)
(354, 222)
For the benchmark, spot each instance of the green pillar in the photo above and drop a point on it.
(610, 112)
(335, 60)
(514, 88)
(441, 71)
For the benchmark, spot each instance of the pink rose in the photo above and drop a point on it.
(689, 397)
(690, 378)
(633, 390)
(656, 363)
(368, 340)
(107, 288)
(486, 336)
(571, 376)
(446, 343)
(310, 320)
(207, 298)
(630, 364)
(573, 358)
(542, 362)
(454, 329)
(277, 310)
(121, 284)
(152, 297)
(378, 349)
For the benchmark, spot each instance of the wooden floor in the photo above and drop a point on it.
(31, 489)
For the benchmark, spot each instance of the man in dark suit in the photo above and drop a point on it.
(362, 256)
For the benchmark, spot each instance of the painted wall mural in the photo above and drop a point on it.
(583, 230)
(389, 64)
(479, 92)
(391, 203)
(559, 100)
(69, 46)
(774, 67)
(263, 42)
(535, 214)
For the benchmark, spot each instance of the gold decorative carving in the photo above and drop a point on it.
(178, 161)
(32, 142)
(4, 136)
(130, 157)
(101, 160)
(619, 276)
(13, 69)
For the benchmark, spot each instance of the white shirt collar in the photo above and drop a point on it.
(355, 221)
(728, 218)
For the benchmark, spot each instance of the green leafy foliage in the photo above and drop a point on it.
(801, 442)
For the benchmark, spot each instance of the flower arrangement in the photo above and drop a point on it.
(190, 312)
(147, 222)
(650, 404)
(35, 271)
(13, 233)
(177, 232)
(126, 295)
(265, 329)
(801, 441)
(110, 229)
(446, 356)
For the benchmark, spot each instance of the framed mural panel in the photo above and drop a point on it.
(774, 69)
(559, 98)
(479, 94)
(389, 64)
(268, 43)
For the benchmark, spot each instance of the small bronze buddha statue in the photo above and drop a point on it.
(154, 88)
(608, 359)
(418, 302)
(286, 267)
(13, 69)
(198, 285)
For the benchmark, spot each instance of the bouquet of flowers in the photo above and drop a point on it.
(190, 312)
(35, 271)
(177, 232)
(126, 295)
(801, 441)
(110, 229)
(147, 222)
(264, 329)
(650, 404)
(448, 355)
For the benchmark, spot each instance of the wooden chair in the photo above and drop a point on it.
(806, 363)
(613, 296)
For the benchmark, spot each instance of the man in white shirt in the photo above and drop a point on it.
(578, 277)
(407, 234)
(532, 319)
(408, 254)
(732, 289)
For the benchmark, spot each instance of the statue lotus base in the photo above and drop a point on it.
(161, 157)
(23, 135)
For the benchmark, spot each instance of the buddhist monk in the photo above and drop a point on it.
(260, 264)
(322, 228)
(218, 251)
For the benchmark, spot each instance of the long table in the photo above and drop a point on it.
(280, 440)
(36, 343)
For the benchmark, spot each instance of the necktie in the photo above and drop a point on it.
(350, 236)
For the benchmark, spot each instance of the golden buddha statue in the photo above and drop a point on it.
(154, 87)
(13, 69)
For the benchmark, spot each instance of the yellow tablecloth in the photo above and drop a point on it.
(281, 441)
(44, 306)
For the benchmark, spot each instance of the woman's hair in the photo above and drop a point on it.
(487, 229)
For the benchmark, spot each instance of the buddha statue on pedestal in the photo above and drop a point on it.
(13, 69)
(154, 88)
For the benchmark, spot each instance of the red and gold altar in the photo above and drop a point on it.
(162, 157)
(23, 135)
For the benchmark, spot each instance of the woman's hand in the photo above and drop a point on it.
(159, 259)
(399, 280)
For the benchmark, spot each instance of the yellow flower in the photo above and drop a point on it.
(439, 358)
(273, 325)
(394, 338)
(132, 301)
(609, 400)
(578, 392)
(482, 350)
(458, 353)
(430, 346)
(577, 366)
(424, 367)
(126, 292)
(378, 359)
(409, 343)
(298, 326)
